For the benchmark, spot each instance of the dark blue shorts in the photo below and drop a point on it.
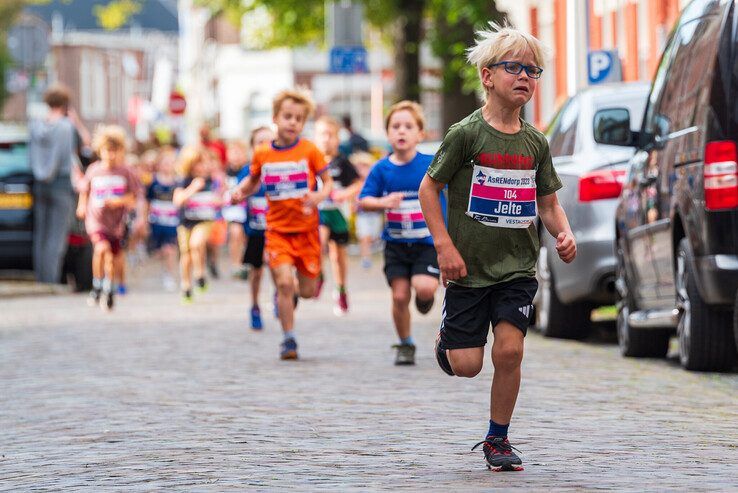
(161, 236)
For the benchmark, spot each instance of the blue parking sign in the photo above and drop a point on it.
(603, 66)
(349, 60)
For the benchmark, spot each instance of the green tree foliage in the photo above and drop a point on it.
(116, 13)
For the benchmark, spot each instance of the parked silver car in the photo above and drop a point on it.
(592, 174)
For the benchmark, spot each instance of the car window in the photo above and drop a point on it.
(13, 158)
(657, 89)
(563, 129)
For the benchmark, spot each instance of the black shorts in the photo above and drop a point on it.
(409, 259)
(468, 312)
(341, 238)
(254, 253)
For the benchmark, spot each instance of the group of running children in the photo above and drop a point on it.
(494, 168)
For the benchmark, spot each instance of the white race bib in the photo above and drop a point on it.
(203, 206)
(163, 213)
(503, 198)
(257, 213)
(107, 187)
(407, 221)
(287, 180)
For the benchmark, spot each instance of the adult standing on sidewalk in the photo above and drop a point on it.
(50, 148)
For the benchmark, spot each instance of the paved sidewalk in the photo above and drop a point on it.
(156, 396)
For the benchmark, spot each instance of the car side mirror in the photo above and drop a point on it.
(611, 126)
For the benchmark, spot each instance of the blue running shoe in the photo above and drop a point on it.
(122, 290)
(256, 318)
(288, 349)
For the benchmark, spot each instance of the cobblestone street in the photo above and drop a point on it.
(156, 396)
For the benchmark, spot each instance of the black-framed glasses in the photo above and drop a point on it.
(515, 68)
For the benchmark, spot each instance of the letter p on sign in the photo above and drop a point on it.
(600, 63)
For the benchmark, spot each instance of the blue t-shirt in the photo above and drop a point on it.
(163, 214)
(406, 223)
(256, 207)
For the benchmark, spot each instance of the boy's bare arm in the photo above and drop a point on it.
(389, 201)
(312, 199)
(245, 188)
(450, 262)
(82, 205)
(554, 218)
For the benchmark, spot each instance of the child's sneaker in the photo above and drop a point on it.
(341, 307)
(366, 263)
(122, 290)
(169, 284)
(405, 354)
(442, 358)
(423, 306)
(94, 297)
(256, 318)
(288, 349)
(499, 454)
(202, 285)
(187, 297)
(107, 301)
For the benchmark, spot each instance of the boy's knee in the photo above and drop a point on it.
(285, 286)
(466, 370)
(425, 293)
(308, 290)
(400, 298)
(507, 356)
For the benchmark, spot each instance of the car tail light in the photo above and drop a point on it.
(721, 175)
(601, 184)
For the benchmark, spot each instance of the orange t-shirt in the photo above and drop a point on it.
(288, 174)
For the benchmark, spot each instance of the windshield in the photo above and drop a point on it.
(13, 158)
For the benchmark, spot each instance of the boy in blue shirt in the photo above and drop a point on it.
(410, 261)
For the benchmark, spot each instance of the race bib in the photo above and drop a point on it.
(257, 213)
(285, 180)
(163, 213)
(503, 198)
(203, 206)
(234, 213)
(407, 221)
(107, 187)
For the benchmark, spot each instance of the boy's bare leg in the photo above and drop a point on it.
(425, 286)
(256, 276)
(97, 260)
(198, 251)
(185, 266)
(339, 262)
(236, 240)
(401, 306)
(306, 286)
(325, 234)
(169, 252)
(507, 355)
(466, 362)
(284, 281)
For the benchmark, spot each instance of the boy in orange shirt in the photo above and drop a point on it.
(288, 168)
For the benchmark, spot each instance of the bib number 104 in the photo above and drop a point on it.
(511, 194)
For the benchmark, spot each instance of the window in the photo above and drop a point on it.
(562, 133)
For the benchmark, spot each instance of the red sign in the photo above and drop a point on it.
(177, 103)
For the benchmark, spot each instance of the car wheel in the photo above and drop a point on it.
(553, 317)
(636, 343)
(706, 341)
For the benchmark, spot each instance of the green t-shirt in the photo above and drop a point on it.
(493, 179)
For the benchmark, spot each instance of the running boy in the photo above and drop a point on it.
(235, 214)
(107, 193)
(288, 168)
(199, 198)
(498, 171)
(254, 227)
(409, 257)
(163, 215)
(334, 229)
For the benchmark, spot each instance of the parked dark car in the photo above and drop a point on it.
(16, 215)
(16, 201)
(592, 138)
(677, 218)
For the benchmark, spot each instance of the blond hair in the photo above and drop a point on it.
(412, 107)
(252, 136)
(500, 40)
(109, 137)
(188, 157)
(298, 95)
(328, 120)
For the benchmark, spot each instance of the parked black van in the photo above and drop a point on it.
(677, 218)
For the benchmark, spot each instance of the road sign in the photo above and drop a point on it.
(28, 44)
(349, 60)
(177, 103)
(603, 66)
